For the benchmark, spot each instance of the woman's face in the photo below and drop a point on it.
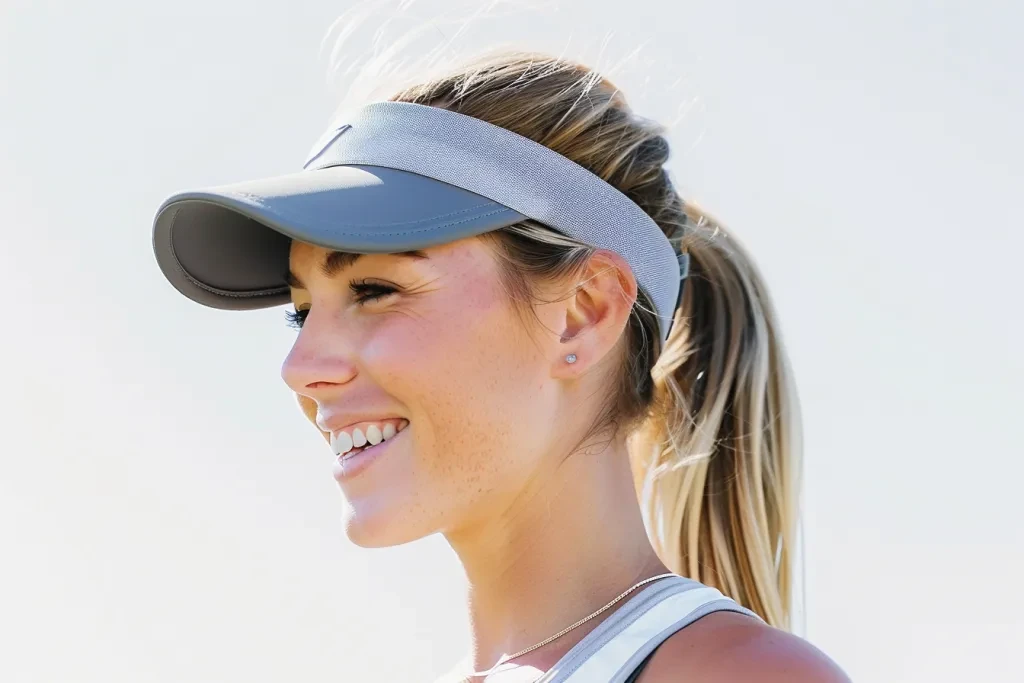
(428, 350)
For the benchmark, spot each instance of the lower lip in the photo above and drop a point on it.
(354, 465)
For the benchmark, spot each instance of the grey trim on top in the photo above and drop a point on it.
(629, 668)
(629, 613)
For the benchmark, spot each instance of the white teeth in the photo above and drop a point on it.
(373, 435)
(341, 443)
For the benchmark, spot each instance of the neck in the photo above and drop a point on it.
(563, 549)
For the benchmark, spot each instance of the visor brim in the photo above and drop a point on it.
(227, 247)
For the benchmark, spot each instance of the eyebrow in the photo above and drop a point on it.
(337, 261)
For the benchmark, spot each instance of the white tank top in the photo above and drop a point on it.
(613, 651)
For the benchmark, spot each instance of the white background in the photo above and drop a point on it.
(165, 514)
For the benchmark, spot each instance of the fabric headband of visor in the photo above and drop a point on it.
(400, 177)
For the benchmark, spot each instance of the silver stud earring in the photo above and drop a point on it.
(571, 358)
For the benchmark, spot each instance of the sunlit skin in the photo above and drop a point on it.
(547, 531)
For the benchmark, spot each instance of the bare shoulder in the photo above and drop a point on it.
(726, 647)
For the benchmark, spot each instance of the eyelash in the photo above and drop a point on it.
(296, 319)
(365, 292)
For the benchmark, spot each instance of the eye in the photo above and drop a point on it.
(296, 319)
(366, 291)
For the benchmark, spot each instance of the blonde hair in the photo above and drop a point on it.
(713, 416)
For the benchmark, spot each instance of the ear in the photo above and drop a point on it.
(596, 315)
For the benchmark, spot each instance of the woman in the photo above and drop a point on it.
(510, 325)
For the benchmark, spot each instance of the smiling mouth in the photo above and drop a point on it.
(356, 451)
(363, 437)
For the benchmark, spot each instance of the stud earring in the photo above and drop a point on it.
(571, 358)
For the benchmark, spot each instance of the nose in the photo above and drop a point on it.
(319, 362)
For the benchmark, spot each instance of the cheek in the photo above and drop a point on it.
(463, 367)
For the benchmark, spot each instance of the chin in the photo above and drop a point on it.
(380, 528)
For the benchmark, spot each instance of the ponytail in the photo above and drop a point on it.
(718, 461)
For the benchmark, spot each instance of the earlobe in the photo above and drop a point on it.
(568, 366)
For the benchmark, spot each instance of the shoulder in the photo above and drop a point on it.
(725, 647)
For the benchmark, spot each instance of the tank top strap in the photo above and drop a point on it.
(621, 643)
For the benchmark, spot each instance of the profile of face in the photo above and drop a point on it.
(428, 357)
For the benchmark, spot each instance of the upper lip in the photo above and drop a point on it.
(336, 422)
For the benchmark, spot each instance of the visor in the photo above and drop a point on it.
(400, 177)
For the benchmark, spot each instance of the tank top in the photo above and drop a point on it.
(617, 650)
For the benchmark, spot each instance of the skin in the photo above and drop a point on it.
(496, 457)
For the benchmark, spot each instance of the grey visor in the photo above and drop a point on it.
(400, 177)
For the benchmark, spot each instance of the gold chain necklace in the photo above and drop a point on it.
(561, 633)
